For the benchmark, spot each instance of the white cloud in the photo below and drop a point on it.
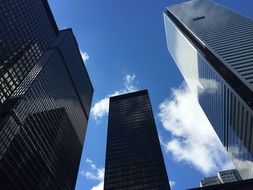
(93, 166)
(99, 186)
(88, 160)
(193, 139)
(85, 56)
(172, 184)
(101, 107)
(129, 83)
(96, 174)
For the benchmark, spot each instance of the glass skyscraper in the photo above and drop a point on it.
(226, 176)
(45, 98)
(212, 47)
(133, 154)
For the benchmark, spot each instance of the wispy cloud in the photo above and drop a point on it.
(88, 160)
(101, 107)
(129, 83)
(172, 184)
(193, 139)
(99, 186)
(85, 56)
(95, 173)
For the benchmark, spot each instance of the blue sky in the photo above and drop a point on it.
(124, 48)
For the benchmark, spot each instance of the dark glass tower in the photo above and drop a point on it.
(45, 98)
(133, 155)
(212, 47)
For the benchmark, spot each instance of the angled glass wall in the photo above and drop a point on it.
(230, 114)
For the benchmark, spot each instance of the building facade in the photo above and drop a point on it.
(225, 176)
(242, 185)
(228, 176)
(212, 47)
(214, 180)
(45, 98)
(133, 154)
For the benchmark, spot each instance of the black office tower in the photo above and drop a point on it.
(212, 47)
(133, 155)
(45, 98)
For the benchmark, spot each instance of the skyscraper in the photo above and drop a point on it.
(235, 185)
(225, 176)
(133, 154)
(209, 181)
(45, 98)
(212, 47)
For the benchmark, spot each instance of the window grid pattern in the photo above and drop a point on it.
(26, 31)
(230, 38)
(133, 154)
(229, 176)
(230, 117)
(40, 146)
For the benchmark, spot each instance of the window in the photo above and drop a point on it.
(198, 18)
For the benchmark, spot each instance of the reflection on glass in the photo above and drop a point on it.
(223, 107)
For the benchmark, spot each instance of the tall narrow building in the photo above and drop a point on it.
(212, 47)
(133, 154)
(45, 98)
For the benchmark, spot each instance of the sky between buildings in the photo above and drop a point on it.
(123, 45)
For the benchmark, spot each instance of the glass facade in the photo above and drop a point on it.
(210, 181)
(225, 176)
(133, 155)
(222, 93)
(229, 176)
(27, 29)
(43, 118)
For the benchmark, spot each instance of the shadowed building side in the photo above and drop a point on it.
(27, 30)
(134, 158)
(43, 118)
